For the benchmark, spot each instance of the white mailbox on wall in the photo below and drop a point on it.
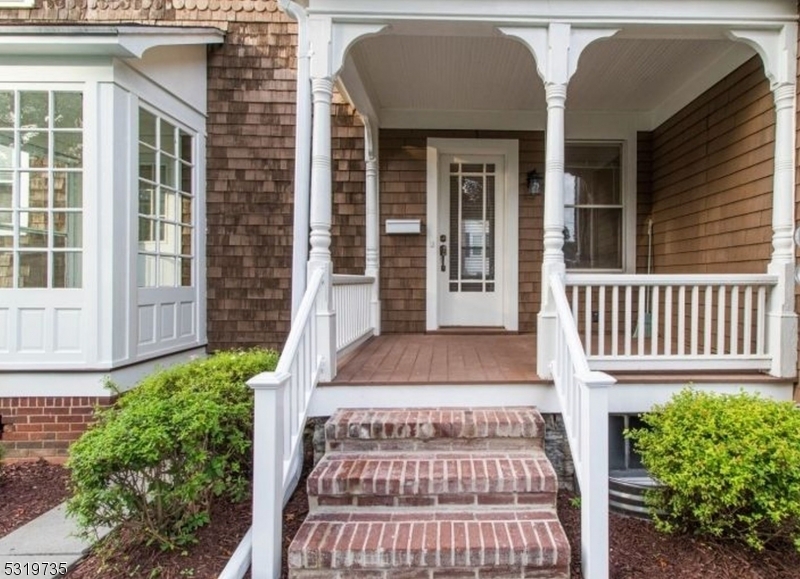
(403, 226)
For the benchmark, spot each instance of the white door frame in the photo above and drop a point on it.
(509, 149)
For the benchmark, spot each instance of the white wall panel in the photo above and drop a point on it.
(186, 319)
(31, 328)
(147, 324)
(68, 330)
(167, 321)
(5, 330)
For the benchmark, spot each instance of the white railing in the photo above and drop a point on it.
(688, 322)
(583, 395)
(352, 295)
(281, 409)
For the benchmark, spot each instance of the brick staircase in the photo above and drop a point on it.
(432, 493)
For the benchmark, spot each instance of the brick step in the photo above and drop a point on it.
(435, 428)
(443, 478)
(392, 544)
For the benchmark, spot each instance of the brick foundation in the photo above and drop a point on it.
(45, 426)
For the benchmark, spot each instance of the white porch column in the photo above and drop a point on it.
(302, 154)
(778, 51)
(372, 266)
(556, 50)
(782, 320)
(320, 218)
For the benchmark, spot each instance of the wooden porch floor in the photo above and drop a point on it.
(442, 359)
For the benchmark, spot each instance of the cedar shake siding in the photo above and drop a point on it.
(403, 191)
(712, 179)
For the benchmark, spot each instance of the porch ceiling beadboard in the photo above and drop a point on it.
(492, 73)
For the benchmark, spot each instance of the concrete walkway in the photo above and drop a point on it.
(42, 547)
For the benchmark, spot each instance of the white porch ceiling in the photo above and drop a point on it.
(652, 78)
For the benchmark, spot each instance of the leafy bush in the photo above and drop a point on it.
(730, 465)
(153, 462)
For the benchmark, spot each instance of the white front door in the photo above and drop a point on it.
(470, 240)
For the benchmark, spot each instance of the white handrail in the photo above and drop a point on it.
(352, 297)
(281, 409)
(686, 321)
(583, 395)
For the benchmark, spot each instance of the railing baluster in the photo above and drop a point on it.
(721, 319)
(587, 322)
(601, 321)
(761, 313)
(668, 321)
(682, 320)
(628, 318)
(615, 320)
(734, 344)
(654, 297)
(747, 344)
(695, 319)
(709, 308)
(641, 320)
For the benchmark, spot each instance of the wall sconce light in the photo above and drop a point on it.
(535, 182)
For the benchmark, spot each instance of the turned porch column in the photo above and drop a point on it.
(777, 48)
(372, 265)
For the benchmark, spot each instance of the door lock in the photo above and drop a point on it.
(443, 255)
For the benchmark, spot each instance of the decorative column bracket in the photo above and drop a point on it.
(556, 49)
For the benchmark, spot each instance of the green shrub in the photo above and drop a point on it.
(153, 462)
(730, 465)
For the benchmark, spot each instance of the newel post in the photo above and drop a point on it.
(268, 453)
(594, 463)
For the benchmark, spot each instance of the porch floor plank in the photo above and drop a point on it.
(447, 358)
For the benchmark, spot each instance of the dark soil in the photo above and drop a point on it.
(638, 551)
(216, 543)
(29, 489)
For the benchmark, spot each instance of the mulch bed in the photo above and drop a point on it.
(638, 551)
(29, 489)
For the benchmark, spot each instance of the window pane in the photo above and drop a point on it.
(33, 109)
(68, 229)
(593, 238)
(167, 138)
(6, 269)
(186, 271)
(473, 229)
(6, 196)
(6, 108)
(67, 269)
(186, 178)
(6, 154)
(68, 190)
(147, 127)
(34, 192)
(6, 230)
(68, 150)
(169, 238)
(147, 270)
(147, 163)
(185, 240)
(186, 210)
(147, 234)
(33, 229)
(32, 269)
(168, 271)
(35, 149)
(167, 202)
(68, 110)
(185, 143)
(147, 199)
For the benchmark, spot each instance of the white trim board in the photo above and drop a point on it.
(508, 148)
(66, 383)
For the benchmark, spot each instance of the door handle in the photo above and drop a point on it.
(443, 256)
